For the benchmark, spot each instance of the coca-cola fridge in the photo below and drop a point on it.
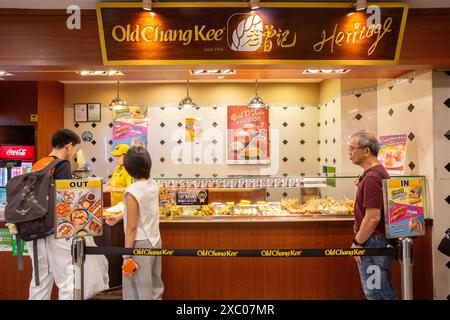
(14, 161)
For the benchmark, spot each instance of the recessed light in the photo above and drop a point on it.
(4, 73)
(205, 72)
(100, 73)
(220, 77)
(325, 71)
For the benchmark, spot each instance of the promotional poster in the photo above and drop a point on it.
(130, 126)
(392, 154)
(78, 210)
(248, 135)
(405, 207)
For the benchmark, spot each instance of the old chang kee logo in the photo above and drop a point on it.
(247, 36)
(281, 253)
(152, 252)
(343, 252)
(215, 253)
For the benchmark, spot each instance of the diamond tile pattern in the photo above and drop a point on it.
(411, 165)
(162, 142)
(285, 141)
(285, 124)
(411, 107)
(302, 142)
(302, 159)
(358, 116)
(447, 103)
(180, 160)
(110, 142)
(302, 124)
(448, 199)
(162, 124)
(162, 159)
(76, 125)
(179, 124)
(284, 194)
(391, 112)
(93, 125)
(110, 159)
(447, 135)
(94, 142)
(447, 167)
(411, 136)
(214, 124)
(110, 125)
(93, 159)
(285, 159)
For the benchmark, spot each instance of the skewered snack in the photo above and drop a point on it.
(95, 209)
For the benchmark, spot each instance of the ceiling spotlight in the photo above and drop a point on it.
(187, 102)
(360, 5)
(325, 71)
(147, 5)
(117, 103)
(254, 4)
(4, 73)
(256, 102)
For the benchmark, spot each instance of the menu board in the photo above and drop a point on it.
(405, 207)
(392, 154)
(130, 126)
(78, 210)
(248, 135)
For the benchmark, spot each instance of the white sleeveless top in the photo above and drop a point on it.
(146, 194)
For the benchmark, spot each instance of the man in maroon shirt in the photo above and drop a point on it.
(369, 218)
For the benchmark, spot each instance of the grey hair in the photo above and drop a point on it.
(366, 139)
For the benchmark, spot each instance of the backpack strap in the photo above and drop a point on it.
(36, 263)
(19, 252)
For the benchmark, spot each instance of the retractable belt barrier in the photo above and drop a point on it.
(269, 253)
(403, 252)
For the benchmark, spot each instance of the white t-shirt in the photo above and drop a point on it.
(146, 194)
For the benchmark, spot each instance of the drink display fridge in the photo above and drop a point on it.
(14, 160)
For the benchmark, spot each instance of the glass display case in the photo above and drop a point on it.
(222, 198)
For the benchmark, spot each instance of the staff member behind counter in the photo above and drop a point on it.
(120, 179)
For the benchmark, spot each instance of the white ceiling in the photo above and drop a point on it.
(90, 4)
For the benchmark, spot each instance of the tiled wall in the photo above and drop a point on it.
(441, 194)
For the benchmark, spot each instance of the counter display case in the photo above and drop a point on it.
(228, 198)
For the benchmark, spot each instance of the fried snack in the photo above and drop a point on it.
(95, 209)
(414, 200)
(65, 230)
(208, 210)
(79, 217)
(397, 213)
(62, 210)
(292, 206)
(94, 227)
(68, 197)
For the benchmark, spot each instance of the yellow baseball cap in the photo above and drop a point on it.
(120, 149)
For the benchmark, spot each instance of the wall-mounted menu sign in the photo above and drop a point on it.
(277, 33)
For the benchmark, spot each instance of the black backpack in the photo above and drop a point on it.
(30, 203)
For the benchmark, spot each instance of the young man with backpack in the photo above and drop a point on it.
(30, 206)
(54, 260)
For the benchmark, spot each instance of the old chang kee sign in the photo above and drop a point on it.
(299, 33)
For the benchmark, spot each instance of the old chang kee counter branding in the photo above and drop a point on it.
(195, 32)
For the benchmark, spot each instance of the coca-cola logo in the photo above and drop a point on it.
(18, 152)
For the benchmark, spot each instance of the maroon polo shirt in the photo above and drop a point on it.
(370, 195)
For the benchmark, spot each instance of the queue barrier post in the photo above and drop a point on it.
(406, 262)
(78, 259)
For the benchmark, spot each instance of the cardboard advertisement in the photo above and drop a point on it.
(78, 208)
(130, 126)
(392, 154)
(6, 240)
(405, 207)
(192, 197)
(248, 135)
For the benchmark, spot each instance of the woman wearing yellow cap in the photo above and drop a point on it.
(120, 179)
